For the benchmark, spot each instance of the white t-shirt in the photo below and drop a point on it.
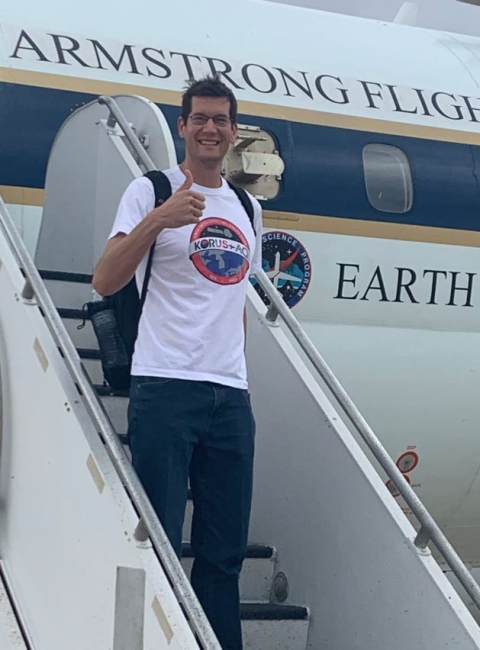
(192, 321)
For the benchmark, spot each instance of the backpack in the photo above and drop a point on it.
(115, 318)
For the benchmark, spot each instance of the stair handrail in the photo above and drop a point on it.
(429, 529)
(35, 292)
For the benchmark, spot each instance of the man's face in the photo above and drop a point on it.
(208, 141)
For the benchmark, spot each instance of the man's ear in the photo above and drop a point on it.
(234, 133)
(181, 126)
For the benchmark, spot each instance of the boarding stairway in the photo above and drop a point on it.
(267, 625)
(333, 563)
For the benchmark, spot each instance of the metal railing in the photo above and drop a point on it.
(149, 525)
(117, 117)
(429, 529)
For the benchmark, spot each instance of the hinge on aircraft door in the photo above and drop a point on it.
(254, 163)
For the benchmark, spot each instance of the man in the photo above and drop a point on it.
(189, 411)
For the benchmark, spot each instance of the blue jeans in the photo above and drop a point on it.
(180, 428)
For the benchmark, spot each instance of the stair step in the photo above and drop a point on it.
(254, 551)
(275, 635)
(88, 353)
(70, 313)
(274, 627)
(68, 294)
(123, 438)
(66, 276)
(272, 612)
(106, 391)
(255, 579)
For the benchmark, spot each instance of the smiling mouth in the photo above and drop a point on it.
(209, 143)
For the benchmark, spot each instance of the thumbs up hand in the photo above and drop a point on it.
(184, 206)
(187, 183)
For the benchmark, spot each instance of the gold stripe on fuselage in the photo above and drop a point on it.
(292, 221)
(281, 220)
(22, 195)
(372, 229)
(290, 113)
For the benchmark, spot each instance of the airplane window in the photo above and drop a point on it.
(388, 178)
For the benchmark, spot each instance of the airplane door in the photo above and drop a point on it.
(91, 151)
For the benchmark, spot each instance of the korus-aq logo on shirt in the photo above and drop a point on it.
(220, 251)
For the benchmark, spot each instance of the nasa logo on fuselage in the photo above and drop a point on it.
(219, 251)
(286, 262)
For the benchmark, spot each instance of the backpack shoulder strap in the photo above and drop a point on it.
(245, 201)
(163, 191)
(161, 186)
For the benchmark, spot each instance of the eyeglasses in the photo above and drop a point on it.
(219, 120)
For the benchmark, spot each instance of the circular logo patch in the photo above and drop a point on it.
(220, 251)
(287, 264)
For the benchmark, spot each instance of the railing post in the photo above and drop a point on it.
(272, 314)
(141, 532)
(422, 538)
(28, 293)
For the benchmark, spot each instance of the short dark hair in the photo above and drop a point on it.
(208, 87)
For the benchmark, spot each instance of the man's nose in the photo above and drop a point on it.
(210, 125)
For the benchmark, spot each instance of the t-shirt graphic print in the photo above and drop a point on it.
(219, 251)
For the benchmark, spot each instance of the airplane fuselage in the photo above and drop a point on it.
(374, 235)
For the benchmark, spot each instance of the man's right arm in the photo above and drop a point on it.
(123, 253)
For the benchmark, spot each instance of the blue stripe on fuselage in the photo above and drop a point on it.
(323, 165)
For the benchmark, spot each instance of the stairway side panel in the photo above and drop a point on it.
(343, 542)
(67, 523)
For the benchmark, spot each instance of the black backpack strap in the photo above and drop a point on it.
(245, 201)
(146, 278)
(163, 191)
(161, 186)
